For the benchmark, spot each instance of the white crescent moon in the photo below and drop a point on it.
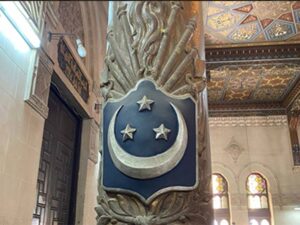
(148, 167)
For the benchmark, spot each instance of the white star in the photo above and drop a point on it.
(145, 103)
(128, 132)
(161, 132)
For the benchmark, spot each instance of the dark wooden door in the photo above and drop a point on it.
(57, 178)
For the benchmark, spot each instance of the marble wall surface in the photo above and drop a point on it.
(264, 147)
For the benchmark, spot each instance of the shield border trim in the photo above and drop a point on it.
(167, 189)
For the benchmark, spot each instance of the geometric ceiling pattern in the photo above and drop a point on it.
(255, 83)
(239, 22)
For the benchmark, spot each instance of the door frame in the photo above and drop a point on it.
(75, 169)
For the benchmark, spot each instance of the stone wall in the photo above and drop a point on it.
(242, 145)
(20, 137)
(22, 120)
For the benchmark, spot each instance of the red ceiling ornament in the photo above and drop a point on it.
(245, 9)
(249, 19)
(287, 17)
(266, 22)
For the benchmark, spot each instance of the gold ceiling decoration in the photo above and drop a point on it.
(244, 22)
(258, 83)
(270, 9)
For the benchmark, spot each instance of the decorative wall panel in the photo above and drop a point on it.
(72, 71)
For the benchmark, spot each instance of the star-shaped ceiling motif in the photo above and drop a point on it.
(251, 21)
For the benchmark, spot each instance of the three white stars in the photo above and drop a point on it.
(161, 131)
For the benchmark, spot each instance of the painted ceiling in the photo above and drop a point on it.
(242, 22)
(256, 83)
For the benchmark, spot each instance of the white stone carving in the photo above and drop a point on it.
(234, 149)
(248, 121)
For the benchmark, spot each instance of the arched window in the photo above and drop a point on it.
(258, 201)
(220, 200)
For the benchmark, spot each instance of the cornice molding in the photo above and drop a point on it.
(250, 109)
(274, 52)
(248, 121)
(268, 105)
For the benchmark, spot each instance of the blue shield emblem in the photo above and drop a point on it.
(149, 143)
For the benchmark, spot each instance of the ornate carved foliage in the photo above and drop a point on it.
(143, 43)
(163, 210)
(172, 208)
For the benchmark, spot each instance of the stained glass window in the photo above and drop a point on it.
(258, 202)
(220, 200)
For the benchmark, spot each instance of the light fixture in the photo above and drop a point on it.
(297, 208)
(80, 48)
(12, 35)
(17, 16)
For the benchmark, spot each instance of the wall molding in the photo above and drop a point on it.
(248, 121)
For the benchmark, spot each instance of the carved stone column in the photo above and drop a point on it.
(161, 42)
